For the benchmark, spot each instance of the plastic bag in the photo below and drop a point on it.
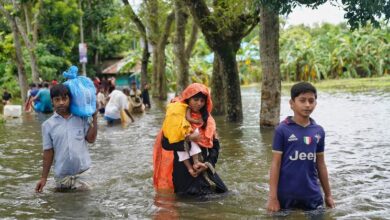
(83, 94)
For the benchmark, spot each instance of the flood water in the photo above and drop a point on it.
(357, 155)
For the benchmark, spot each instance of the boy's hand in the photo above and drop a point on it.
(329, 202)
(273, 205)
(40, 185)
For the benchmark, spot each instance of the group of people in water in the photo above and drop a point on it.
(118, 105)
(110, 101)
(187, 147)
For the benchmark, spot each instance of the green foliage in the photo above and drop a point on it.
(59, 27)
(50, 65)
(357, 12)
(333, 52)
(8, 77)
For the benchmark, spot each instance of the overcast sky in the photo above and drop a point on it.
(325, 13)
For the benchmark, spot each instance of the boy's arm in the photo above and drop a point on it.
(48, 156)
(92, 130)
(273, 202)
(323, 176)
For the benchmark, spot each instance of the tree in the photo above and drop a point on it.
(145, 52)
(159, 23)
(224, 29)
(269, 53)
(358, 12)
(18, 52)
(183, 53)
(30, 45)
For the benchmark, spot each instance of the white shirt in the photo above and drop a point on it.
(118, 101)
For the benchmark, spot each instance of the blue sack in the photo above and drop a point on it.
(83, 95)
(71, 73)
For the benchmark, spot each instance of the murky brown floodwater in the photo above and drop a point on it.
(357, 155)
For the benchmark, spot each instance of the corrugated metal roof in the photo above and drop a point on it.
(116, 67)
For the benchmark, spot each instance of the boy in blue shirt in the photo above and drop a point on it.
(298, 157)
(64, 140)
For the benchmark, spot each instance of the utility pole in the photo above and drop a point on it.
(82, 46)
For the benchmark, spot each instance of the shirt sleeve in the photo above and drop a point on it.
(277, 144)
(321, 142)
(47, 141)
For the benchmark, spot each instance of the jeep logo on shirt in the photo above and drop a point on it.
(303, 156)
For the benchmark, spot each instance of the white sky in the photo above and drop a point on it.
(324, 13)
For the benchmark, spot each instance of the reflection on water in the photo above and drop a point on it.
(357, 155)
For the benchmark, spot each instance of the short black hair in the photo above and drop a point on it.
(59, 90)
(302, 87)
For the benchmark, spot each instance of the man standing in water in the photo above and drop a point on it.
(65, 138)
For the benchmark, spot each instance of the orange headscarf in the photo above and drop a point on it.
(162, 159)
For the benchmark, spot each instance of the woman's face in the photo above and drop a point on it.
(196, 104)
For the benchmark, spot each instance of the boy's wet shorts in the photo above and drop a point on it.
(305, 204)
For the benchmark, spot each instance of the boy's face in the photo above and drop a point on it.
(61, 104)
(304, 104)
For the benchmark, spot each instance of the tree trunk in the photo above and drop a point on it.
(36, 22)
(97, 55)
(145, 53)
(22, 78)
(217, 88)
(161, 78)
(145, 61)
(155, 71)
(30, 49)
(271, 82)
(232, 90)
(193, 38)
(225, 42)
(27, 18)
(161, 83)
(181, 60)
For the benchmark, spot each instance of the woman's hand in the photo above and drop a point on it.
(194, 137)
(200, 170)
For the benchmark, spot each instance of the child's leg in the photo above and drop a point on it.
(194, 153)
(184, 157)
(190, 169)
(195, 149)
